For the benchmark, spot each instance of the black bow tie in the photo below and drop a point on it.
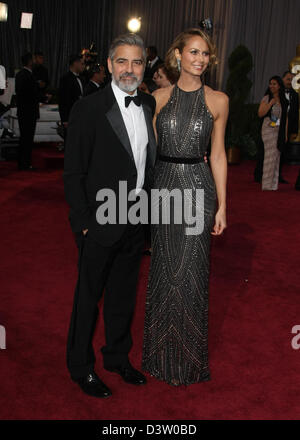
(135, 99)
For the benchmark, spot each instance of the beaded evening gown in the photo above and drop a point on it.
(269, 136)
(175, 347)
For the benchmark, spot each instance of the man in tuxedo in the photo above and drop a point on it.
(96, 82)
(70, 89)
(40, 73)
(293, 114)
(110, 140)
(153, 61)
(27, 95)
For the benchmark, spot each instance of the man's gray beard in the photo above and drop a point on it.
(126, 87)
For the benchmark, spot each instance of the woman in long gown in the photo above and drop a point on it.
(187, 115)
(273, 108)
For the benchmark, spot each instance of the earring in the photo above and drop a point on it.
(178, 64)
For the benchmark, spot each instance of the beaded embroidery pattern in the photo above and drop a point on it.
(175, 345)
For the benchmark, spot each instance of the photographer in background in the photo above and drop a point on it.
(70, 89)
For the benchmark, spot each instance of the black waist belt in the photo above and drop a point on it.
(181, 159)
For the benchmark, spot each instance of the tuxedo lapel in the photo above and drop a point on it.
(115, 119)
(75, 82)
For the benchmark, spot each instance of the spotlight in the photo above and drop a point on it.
(26, 20)
(3, 12)
(134, 24)
(206, 24)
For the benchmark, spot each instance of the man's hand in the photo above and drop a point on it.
(84, 231)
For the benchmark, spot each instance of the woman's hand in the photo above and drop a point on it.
(220, 222)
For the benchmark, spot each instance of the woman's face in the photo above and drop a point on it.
(194, 57)
(274, 86)
(161, 79)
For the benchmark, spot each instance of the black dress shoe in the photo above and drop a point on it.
(128, 374)
(93, 386)
(281, 180)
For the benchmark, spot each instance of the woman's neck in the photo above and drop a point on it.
(189, 82)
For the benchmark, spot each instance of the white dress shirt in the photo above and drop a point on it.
(135, 123)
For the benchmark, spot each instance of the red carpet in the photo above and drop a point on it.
(254, 303)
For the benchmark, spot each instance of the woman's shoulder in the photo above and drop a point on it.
(162, 96)
(161, 93)
(216, 95)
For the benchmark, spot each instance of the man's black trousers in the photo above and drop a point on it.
(113, 270)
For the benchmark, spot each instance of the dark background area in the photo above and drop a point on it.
(269, 28)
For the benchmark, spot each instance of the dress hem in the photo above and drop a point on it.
(157, 376)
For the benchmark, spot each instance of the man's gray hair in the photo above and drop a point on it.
(126, 39)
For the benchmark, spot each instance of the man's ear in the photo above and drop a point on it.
(109, 65)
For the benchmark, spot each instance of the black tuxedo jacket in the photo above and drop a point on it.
(149, 71)
(68, 93)
(98, 155)
(90, 88)
(40, 73)
(293, 114)
(27, 95)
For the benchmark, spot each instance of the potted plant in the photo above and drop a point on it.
(238, 87)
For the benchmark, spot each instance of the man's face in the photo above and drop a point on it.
(127, 67)
(79, 66)
(100, 76)
(287, 80)
(150, 54)
(39, 59)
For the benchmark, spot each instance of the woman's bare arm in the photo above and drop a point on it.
(218, 158)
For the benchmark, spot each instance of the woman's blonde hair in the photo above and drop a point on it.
(180, 42)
